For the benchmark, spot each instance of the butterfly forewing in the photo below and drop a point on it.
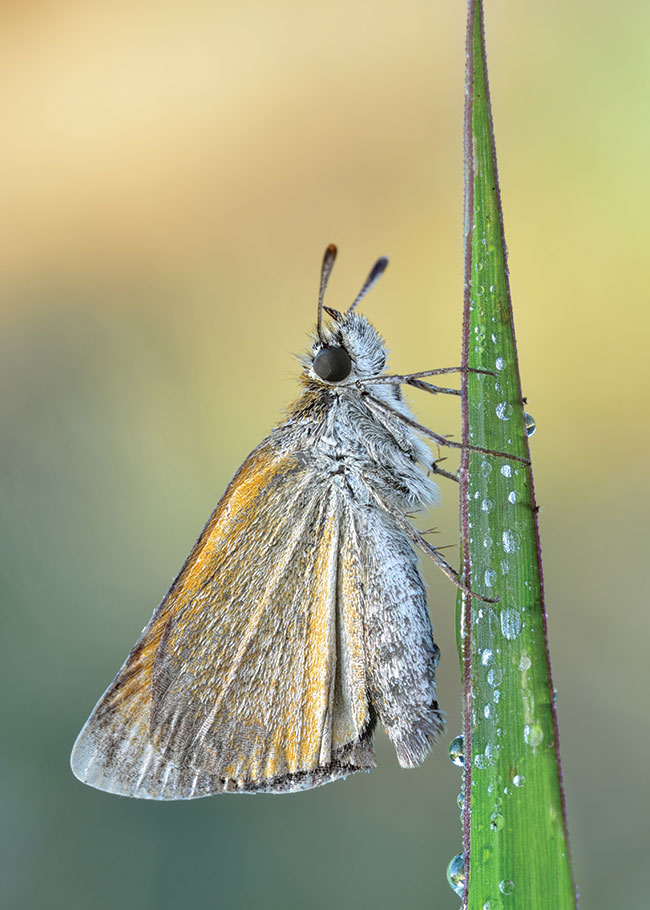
(251, 673)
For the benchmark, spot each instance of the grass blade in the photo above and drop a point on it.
(514, 822)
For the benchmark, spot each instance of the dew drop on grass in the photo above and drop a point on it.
(510, 624)
(506, 886)
(490, 577)
(504, 410)
(494, 676)
(533, 734)
(500, 363)
(512, 497)
(518, 780)
(456, 873)
(511, 541)
(457, 751)
(506, 470)
(529, 424)
(486, 468)
(497, 821)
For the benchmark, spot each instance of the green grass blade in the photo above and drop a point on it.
(514, 823)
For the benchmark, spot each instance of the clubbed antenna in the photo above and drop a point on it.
(325, 272)
(376, 272)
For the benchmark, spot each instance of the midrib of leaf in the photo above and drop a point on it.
(514, 825)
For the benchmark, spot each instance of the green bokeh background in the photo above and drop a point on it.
(170, 175)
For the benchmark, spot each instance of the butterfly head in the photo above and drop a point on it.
(350, 347)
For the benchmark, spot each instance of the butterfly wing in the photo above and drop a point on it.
(251, 674)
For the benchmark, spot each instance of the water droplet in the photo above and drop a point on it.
(486, 468)
(510, 624)
(494, 676)
(497, 821)
(486, 657)
(490, 577)
(487, 505)
(506, 886)
(457, 751)
(492, 289)
(493, 904)
(500, 363)
(480, 290)
(496, 696)
(494, 338)
(519, 780)
(506, 470)
(525, 662)
(529, 424)
(504, 410)
(460, 801)
(491, 752)
(487, 542)
(511, 541)
(487, 711)
(512, 497)
(533, 734)
(456, 873)
(505, 568)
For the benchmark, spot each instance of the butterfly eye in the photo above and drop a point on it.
(332, 364)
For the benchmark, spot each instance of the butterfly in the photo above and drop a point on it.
(299, 620)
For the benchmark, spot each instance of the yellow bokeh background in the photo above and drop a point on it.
(170, 174)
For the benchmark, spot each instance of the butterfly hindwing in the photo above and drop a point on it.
(401, 656)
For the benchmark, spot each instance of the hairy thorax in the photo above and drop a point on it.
(359, 448)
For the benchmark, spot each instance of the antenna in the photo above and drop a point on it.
(376, 272)
(325, 272)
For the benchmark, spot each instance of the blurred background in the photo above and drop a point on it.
(170, 174)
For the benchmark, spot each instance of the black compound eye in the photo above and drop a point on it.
(332, 364)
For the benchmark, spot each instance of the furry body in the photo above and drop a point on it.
(299, 618)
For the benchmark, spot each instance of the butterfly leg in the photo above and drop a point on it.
(437, 437)
(436, 469)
